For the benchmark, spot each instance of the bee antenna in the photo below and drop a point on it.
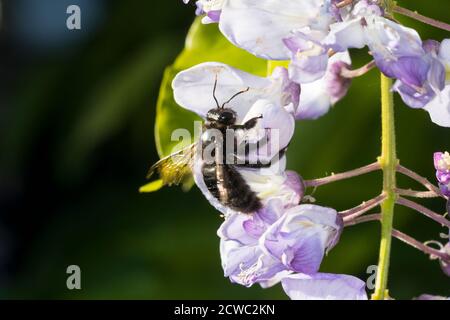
(214, 93)
(234, 96)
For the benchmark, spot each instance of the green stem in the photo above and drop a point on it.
(417, 16)
(388, 162)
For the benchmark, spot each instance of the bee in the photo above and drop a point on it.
(222, 180)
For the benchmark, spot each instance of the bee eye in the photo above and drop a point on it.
(226, 117)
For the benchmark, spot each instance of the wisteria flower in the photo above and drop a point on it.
(398, 52)
(429, 78)
(273, 99)
(439, 106)
(243, 259)
(300, 238)
(277, 240)
(442, 165)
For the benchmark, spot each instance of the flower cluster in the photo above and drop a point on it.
(315, 36)
(284, 240)
(286, 244)
(442, 165)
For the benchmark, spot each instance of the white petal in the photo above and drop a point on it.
(444, 56)
(444, 50)
(276, 121)
(193, 88)
(324, 286)
(345, 35)
(259, 26)
(315, 99)
(390, 40)
(439, 108)
(273, 187)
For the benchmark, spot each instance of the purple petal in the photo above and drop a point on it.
(214, 15)
(254, 228)
(338, 85)
(324, 286)
(295, 183)
(445, 189)
(437, 160)
(443, 177)
(290, 90)
(436, 75)
(309, 58)
(234, 228)
(306, 257)
(431, 46)
(412, 71)
(412, 97)
(199, 10)
(317, 97)
(271, 212)
(236, 257)
(301, 236)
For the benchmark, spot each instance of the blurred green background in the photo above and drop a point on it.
(77, 113)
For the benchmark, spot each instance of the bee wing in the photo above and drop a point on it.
(176, 167)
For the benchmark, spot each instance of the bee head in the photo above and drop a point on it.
(223, 116)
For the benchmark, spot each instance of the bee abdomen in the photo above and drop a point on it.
(210, 179)
(230, 189)
(241, 196)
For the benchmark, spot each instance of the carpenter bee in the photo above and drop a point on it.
(221, 177)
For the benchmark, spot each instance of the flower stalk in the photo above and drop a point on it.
(346, 73)
(417, 194)
(425, 211)
(417, 16)
(357, 211)
(388, 162)
(424, 181)
(433, 253)
(366, 218)
(342, 176)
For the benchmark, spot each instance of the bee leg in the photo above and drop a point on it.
(249, 124)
